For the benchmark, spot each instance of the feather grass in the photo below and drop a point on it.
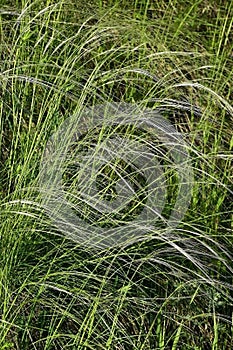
(164, 289)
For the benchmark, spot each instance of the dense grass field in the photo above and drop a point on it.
(166, 287)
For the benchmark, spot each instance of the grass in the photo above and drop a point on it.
(164, 289)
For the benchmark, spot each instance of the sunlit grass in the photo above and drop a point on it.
(164, 290)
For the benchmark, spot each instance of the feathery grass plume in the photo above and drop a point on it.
(143, 119)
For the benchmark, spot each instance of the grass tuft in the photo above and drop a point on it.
(169, 287)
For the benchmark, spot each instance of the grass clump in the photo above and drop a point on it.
(165, 289)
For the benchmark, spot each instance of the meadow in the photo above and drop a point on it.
(161, 289)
